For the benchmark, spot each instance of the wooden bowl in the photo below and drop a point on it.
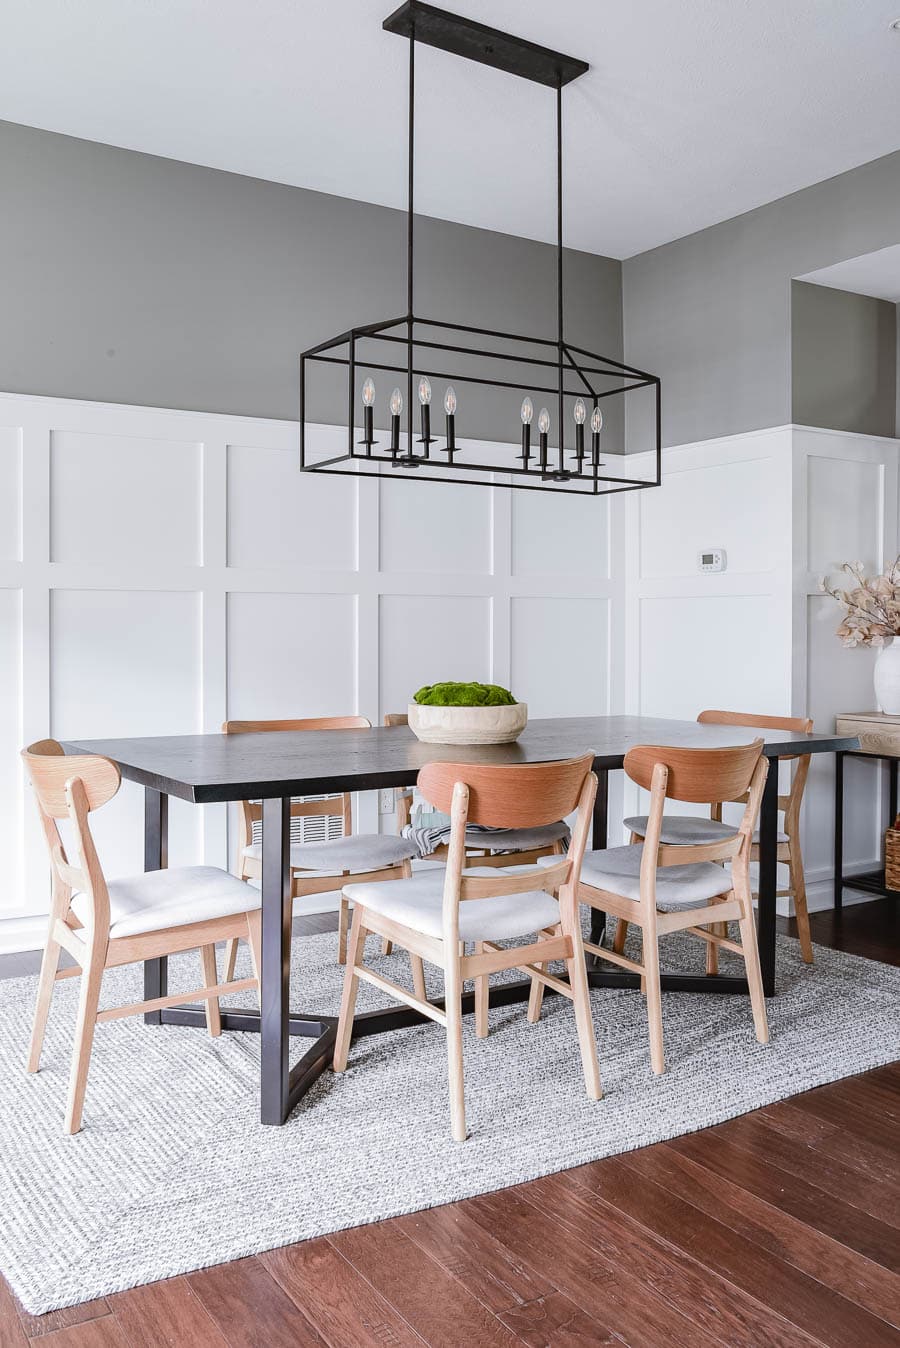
(468, 725)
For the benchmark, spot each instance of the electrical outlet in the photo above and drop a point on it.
(386, 800)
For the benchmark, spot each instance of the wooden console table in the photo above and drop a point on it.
(879, 741)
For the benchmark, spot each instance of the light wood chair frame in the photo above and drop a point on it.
(504, 797)
(687, 775)
(403, 796)
(788, 853)
(72, 787)
(302, 883)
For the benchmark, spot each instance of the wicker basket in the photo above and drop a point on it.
(892, 856)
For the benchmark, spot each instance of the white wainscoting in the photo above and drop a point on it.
(162, 570)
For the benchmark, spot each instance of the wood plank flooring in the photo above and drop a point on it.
(779, 1229)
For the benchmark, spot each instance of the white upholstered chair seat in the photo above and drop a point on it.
(170, 898)
(781, 837)
(618, 870)
(418, 903)
(357, 853)
(517, 839)
(683, 829)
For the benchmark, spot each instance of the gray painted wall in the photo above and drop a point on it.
(711, 313)
(135, 279)
(843, 360)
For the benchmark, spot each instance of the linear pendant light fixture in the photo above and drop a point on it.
(498, 373)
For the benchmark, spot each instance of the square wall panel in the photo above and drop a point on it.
(124, 498)
(431, 639)
(716, 506)
(127, 663)
(430, 526)
(11, 896)
(556, 535)
(291, 655)
(709, 652)
(844, 512)
(278, 516)
(10, 494)
(560, 650)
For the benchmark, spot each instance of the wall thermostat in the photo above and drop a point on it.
(712, 559)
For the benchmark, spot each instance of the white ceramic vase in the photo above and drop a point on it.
(887, 678)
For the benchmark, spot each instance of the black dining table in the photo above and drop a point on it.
(274, 767)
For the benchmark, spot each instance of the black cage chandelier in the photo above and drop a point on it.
(582, 453)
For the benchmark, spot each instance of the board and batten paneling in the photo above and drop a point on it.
(161, 570)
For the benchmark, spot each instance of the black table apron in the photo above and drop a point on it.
(275, 767)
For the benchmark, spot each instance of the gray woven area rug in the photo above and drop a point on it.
(172, 1172)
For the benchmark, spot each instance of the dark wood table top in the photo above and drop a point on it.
(207, 768)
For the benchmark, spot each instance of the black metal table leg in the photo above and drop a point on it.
(768, 877)
(156, 858)
(599, 839)
(893, 764)
(838, 831)
(275, 974)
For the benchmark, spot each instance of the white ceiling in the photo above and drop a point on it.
(693, 110)
(876, 274)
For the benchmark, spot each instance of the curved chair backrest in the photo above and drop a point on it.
(251, 810)
(392, 718)
(70, 786)
(696, 775)
(802, 725)
(515, 795)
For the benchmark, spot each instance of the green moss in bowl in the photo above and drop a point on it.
(464, 695)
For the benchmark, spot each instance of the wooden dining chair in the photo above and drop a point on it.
(686, 829)
(104, 924)
(320, 865)
(662, 887)
(506, 847)
(437, 914)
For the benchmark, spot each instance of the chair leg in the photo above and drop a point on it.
(652, 987)
(584, 1021)
(481, 998)
(712, 951)
(254, 940)
(210, 978)
(231, 949)
(88, 1001)
(453, 1007)
(798, 890)
(418, 976)
(387, 946)
(355, 953)
(343, 924)
(49, 966)
(754, 975)
(536, 996)
(620, 936)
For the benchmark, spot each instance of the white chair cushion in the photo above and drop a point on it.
(358, 853)
(682, 829)
(517, 839)
(618, 870)
(418, 903)
(170, 898)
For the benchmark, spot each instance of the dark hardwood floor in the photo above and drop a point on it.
(779, 1228)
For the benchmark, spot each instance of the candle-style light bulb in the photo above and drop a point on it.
(544, 431)
(368, 397)
(425, 412)
(450, 410)
(396, 409)
(527, 411)
(596, 426)
(579, 412)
